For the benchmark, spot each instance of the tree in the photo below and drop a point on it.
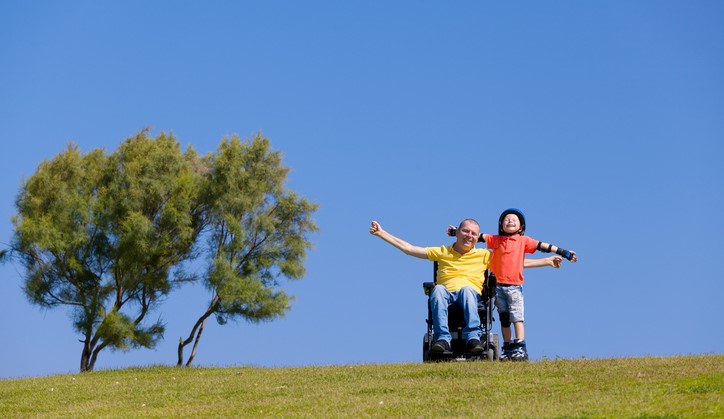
(256, 233)
(101, 233)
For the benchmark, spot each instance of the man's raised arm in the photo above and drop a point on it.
(554, 261)
(406, 247)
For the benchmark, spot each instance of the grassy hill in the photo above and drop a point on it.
(682, 386)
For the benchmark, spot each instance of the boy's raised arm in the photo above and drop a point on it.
(547, 248)
(406, 247)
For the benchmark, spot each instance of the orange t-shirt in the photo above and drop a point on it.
(508, 256)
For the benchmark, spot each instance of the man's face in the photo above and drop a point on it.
(467, 235)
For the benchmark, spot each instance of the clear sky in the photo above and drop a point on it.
(602, 121)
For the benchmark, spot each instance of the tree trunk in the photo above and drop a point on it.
(85, 357)
(87, 352)
(196, 344)
(98, 348)
(195, 334)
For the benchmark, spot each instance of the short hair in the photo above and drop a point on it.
(469, 220)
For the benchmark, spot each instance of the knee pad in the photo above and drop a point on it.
(504, 319)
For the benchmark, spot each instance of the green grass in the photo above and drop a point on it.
(682, 386)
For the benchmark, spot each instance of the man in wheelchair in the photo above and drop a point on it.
(460, 274)
(459, 295)
(458, 348)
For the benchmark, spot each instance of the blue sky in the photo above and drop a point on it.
(602, 121)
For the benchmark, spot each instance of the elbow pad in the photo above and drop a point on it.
(546, 249)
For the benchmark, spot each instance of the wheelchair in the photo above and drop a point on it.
(456, 322)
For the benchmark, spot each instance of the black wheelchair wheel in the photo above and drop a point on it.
(426, 344)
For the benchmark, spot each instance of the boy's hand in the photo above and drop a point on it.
(573, 256)
(451, 231)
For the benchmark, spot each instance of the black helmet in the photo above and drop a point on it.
(515, 211)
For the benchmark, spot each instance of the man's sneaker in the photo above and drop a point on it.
(519, 352)
(505, 354)
(440, 346)
(474, 346)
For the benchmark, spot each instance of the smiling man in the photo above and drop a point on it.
(460, 275)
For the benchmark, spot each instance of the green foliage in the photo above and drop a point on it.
(58, 239)
(258, 229)
(256, 232)
(100, 233)
(117, 329)
(686, 386)
(244, 296)
(107, 235)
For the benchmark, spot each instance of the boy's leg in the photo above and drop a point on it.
(516, 308)
(519, 330)
(519, 351)
(507, 333)
(502, 304)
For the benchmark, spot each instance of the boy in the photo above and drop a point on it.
(509, 248)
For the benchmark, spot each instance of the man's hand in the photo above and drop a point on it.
(554, 261)
(375, 228)
(416, 251)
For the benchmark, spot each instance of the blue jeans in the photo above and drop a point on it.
(468, 300)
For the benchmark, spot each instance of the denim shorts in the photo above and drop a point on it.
(509, 299)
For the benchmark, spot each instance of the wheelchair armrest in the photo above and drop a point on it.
(428, 286)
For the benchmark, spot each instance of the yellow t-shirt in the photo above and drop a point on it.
(455, 271)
